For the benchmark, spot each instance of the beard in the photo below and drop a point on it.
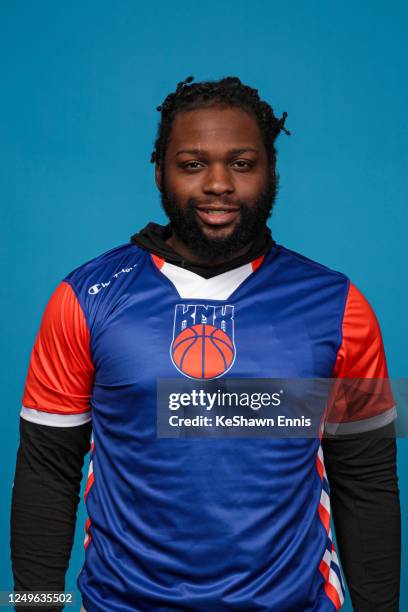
(253, 217)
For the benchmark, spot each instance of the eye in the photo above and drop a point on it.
(242, 164)
(192, 165)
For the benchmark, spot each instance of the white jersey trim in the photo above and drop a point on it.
(54, 420)
(380, 420)
(192, 286)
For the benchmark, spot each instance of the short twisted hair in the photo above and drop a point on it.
(226, 92)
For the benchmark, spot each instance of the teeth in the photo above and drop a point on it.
(216, 212)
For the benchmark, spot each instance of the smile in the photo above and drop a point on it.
(217, 217)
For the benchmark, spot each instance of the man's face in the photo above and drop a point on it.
(217, 187)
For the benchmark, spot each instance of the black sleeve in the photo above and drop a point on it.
(44, 504)
(362, 474)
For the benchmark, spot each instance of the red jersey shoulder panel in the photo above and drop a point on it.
(361, 354)
(363, 396)
(61, 372)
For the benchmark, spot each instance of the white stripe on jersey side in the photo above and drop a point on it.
(54, 420)
(380, 420)
(325, 501)
(335, 582)
(335, 561)
(327, 558)
(192, 286)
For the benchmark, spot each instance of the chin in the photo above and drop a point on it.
(217, 233)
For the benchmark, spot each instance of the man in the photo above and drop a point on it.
(205, 524)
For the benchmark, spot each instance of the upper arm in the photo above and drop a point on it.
(60, 375)
(362, 398)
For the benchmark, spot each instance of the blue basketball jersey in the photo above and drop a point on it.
(200, 523)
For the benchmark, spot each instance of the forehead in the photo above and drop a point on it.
(215, 127)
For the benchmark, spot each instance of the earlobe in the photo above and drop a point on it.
(158, 177)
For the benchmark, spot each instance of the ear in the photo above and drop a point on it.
(158, 176)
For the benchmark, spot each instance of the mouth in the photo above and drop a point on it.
(216, 216)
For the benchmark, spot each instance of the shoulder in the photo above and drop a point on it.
(322, 290)
(358, 325)
(102, 271)
(359, 332)
(357, 309)
(308, 267)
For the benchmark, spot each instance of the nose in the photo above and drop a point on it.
(217, 180)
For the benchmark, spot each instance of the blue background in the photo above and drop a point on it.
(80, 82)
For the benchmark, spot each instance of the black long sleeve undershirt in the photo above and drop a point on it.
(361, 469)
(44, 504)
(364, 495)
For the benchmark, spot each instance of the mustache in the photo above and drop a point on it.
(193, 202)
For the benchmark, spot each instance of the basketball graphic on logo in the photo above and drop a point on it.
(202, 351)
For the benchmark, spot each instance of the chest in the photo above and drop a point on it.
(267, 332)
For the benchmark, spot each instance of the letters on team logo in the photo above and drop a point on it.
(203, 340)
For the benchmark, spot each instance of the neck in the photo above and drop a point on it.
(186, 253)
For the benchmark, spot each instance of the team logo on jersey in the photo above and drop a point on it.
(203, 340)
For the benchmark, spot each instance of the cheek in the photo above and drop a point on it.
(248, 186)
(183, 186)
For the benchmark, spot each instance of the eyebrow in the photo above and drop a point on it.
(230, 152)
